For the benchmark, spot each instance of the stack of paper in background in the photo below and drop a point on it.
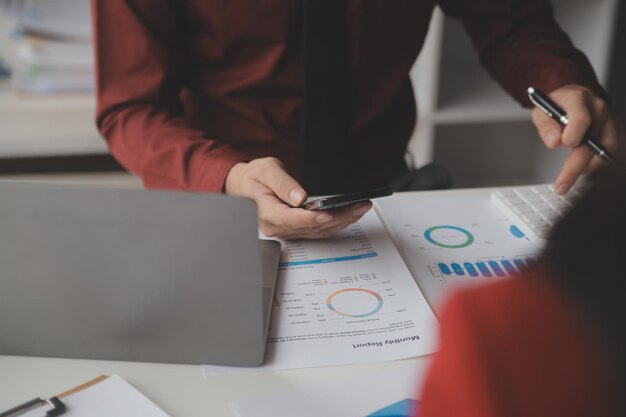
(6, 45)
(54, 53)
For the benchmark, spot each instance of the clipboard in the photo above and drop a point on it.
(57, 407)
(91, 398)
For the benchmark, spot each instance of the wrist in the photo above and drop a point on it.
(232, 178)
(585, 89)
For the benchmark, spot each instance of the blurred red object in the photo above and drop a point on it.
(520, 347)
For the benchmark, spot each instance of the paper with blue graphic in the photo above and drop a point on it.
(347, 299)
(449, 242)
(402, 408)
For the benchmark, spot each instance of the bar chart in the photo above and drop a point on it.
(482, 268)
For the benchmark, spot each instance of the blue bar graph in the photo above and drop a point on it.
(488, 268)
(470, 269)
(457, 269)
(444, 269)
(520, 264)
(496, 268)
(510, 269)
(483, 269)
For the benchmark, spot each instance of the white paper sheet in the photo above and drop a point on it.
(356, 396)
(455, 241)
(349, 299)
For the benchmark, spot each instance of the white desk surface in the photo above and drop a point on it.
(181, 390)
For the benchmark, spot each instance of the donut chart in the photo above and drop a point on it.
(354, 302)
(449, 237)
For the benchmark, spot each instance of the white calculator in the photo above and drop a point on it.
(534, 209)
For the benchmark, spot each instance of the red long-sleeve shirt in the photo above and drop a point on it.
(519, 348)
(186, 89)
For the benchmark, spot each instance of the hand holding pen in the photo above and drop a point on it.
(579, 118)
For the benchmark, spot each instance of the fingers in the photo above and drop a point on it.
(327, 223)
(586, 113)
(574, 166)
(549, 129)
(348, 214)
(277, 219)
(271, 173)
(611, 135)
(278, 197)
(343, 218)
(582, 160)
(580, 119)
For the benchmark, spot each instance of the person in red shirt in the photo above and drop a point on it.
(209, 95)
(550, 342)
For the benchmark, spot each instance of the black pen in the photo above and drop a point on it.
(548, 106)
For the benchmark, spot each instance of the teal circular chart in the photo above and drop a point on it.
(354, 302)
(449, 237)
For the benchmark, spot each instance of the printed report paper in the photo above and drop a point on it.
(348, 299)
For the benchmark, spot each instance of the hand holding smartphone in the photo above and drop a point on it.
(326, 203)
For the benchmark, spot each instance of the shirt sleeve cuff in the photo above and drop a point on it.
(209, 173)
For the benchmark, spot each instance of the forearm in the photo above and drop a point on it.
(521, 44)
(165, 150)
(539, 54)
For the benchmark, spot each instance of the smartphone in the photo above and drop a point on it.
(326, 203)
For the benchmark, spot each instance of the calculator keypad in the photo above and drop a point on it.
(538, 206)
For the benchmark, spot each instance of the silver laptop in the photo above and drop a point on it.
(133, 275)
